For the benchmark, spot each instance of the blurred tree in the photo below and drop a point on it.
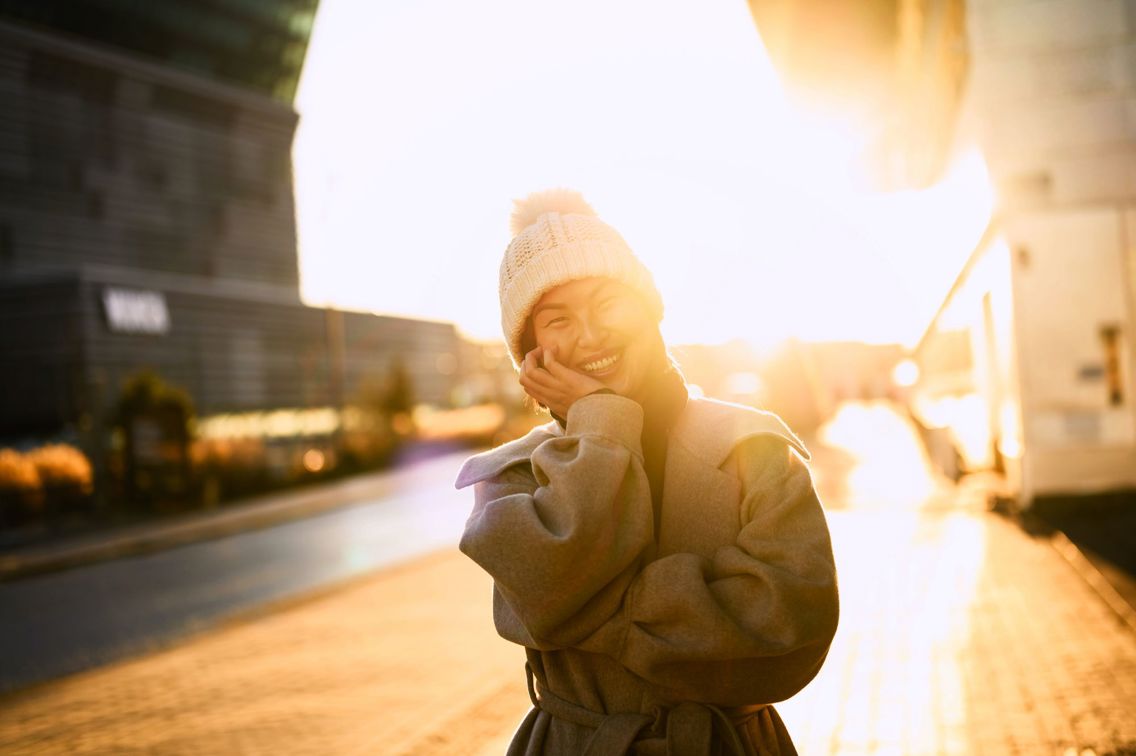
(154, 419)
(400, 391)
(399, 399)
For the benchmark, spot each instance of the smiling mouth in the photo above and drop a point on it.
(601, 366)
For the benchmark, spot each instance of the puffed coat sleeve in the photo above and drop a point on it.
(570, 547)
(565, 536)
(753, 622)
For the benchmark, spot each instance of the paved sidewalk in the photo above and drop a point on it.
(960, 635)
(382, 665)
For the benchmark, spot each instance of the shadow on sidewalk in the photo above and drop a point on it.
(1102, 526)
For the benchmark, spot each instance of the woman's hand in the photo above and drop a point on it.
(554, 385)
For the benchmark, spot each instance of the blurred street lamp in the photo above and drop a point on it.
(905, 374)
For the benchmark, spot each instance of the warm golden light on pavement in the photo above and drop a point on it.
(903, 577)
(894, 681)
(885, 467)
(946, 611)
(959, 635)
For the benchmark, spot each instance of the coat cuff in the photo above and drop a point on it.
(609, 415)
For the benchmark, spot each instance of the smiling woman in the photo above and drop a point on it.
(600, 327)
(663, 559)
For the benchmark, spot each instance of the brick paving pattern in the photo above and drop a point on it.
(959, 635)
(962, 635)
(374, 667)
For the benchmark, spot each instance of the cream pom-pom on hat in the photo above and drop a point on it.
(558, 238)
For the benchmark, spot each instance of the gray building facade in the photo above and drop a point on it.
(147, 220)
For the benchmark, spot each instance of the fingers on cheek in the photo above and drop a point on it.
(545, 379)
(532, 386)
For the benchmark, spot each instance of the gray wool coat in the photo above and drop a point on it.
(640, 642)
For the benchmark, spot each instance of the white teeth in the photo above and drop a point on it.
(606, 362)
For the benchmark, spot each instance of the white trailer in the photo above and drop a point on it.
(1028, 364)
(1042, 384)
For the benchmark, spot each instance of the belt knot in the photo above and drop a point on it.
(689, 728)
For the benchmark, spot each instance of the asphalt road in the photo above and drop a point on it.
(59, 623)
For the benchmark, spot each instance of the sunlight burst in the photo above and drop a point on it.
(750, 214)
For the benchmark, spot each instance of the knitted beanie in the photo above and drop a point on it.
(558, 238)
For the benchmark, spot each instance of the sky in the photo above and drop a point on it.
(421, 122)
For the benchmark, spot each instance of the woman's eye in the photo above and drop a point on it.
(556, 321)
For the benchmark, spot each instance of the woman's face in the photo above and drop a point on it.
(600, 327)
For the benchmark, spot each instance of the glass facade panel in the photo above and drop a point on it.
(255, 44)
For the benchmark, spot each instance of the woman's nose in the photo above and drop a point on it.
(593, 332)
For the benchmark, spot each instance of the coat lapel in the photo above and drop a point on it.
(700, 500)
(700, 509)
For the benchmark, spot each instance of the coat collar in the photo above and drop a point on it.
(702, 441)
(707, 430)
(711, 428)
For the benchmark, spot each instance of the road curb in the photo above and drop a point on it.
(1096, 580)
(1031, 524)
(253, 514)
(242, 518)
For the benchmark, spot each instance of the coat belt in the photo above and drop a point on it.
(690, 726)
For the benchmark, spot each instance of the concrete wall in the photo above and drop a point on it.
(1052, 95)
(1052, 101)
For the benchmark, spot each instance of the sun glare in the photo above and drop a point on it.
(750, 214)
(890, 471)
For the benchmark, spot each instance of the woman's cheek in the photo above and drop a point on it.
(549, 342)
(629, 320)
